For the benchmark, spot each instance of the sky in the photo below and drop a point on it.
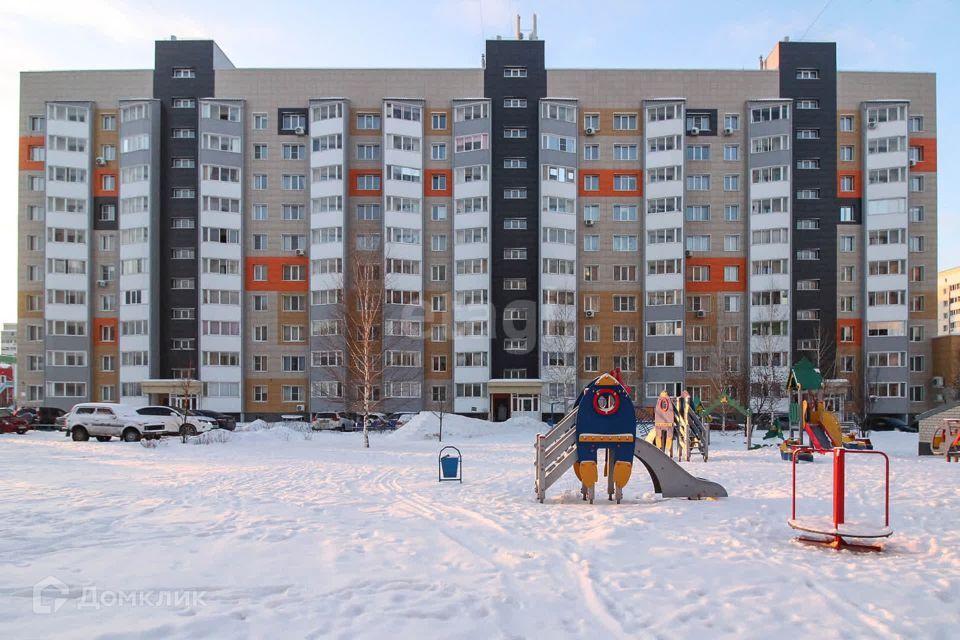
(871, 35)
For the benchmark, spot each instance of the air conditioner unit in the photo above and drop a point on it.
(688, 254)
(589, 222)
(299, 407)
(694, 131)
(701, 314)
(937, 382)
(589, 313)
(913, 162)
(101, 161)
(872, 124)
(300, 252)
(102, 283)
(785, 294)
(590, 131)
(300, 131)
(728, 131)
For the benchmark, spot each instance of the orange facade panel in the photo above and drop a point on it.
(716, 281)
(98, 182)
(360, 177)
(842, 185)
(606, 181)
(104, 331)
(26, 144)
(272, 274)
(444, 179)
(928, 154)
(856, 326)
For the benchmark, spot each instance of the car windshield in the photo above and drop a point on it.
(4, 412)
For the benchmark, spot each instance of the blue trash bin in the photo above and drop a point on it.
(450, 465)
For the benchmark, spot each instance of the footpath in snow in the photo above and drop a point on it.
(283, 532)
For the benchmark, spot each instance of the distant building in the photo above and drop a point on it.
(8, 339)
(948, 302)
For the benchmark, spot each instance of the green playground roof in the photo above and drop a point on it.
(805, 375)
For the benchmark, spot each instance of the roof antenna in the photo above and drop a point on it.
(533, 34)
(519, 34)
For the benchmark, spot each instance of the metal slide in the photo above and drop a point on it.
(670, 479)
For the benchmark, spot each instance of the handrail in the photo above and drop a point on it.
(886, 505)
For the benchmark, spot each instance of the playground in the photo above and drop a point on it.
(323, 539)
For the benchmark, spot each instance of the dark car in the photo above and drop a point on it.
(40, 415)
(762, 421)
(884, 423)
(10, 423)
(224, 421)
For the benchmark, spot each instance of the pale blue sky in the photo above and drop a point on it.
(894, 35)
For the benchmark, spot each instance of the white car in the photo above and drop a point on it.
(176, 423)
(105, 420)
(333, 422)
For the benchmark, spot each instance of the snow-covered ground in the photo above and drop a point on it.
(279, 534)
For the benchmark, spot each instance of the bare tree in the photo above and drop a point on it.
(363, 312)
(769, 363)
(824, 353)
(559, 342)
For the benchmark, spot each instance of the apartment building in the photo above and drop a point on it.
(948, 301)
(207, 234)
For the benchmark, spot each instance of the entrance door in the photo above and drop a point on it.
(501, 406)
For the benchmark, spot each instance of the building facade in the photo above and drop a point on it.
(948, 301)
(203, 230)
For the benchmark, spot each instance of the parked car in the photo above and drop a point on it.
(176, 423)
(105, 420)
(224, 421)
(401, 418)
(11, 423)
(40, 415)
(333, 422)
(378, 422)
(884, 423)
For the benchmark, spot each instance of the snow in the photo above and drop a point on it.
(281, 532)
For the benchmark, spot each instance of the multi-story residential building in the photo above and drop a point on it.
(202, 230)
(948, 301)
(8, 339)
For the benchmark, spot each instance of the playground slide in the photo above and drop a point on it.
(670, 479)
(819, 437)
(831, 425)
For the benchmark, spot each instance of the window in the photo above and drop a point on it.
(698, 121)
(698, 212)
(808, 103)
(591, 152)
(514, 163)
(731, 212)
(731, 243)
(626, 152)
(731, 183)
(184, 72)
(731, 121)
(808, 194)
(846, 123)
(515, 132)
(846, 214)
(731, 152)
(591, 121)
(438, 121)
(847, 243)
(846, 153)
(368, 121)
(915, 123)
(368, 182)
(438, 151)
(514, 72)
(625, 121)
(916, 184)
(438, 182)
(698, 183)
(808, 74)
(624, 183)
(916, 214)
(514, 103)
(698, 243)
